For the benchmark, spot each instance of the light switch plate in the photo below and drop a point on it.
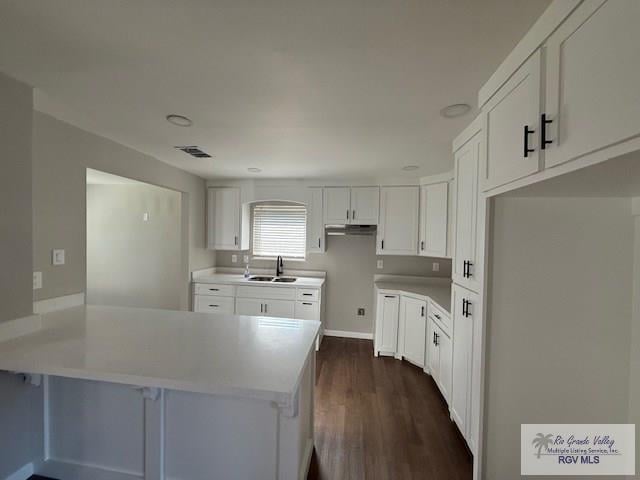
(435, 266)
(379, 264)
(234, 258)
(145, 217)
(37, 280)
(57, 256)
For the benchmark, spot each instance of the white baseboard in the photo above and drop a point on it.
(58, 303)
(19, 326)
(23, 473)
(347, 334)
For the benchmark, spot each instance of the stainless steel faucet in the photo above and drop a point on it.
(279, 266)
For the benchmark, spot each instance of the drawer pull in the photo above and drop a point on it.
(307, 294)
(214, 289)
(543, 131)
(527, 132)
(389, 296)
(307, 303)
(437, 316)
(214, 306)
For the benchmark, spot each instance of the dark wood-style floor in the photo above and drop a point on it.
(379, 418)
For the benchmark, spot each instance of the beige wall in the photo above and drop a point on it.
(350, 263)
(558, 321)
(132, 262)
(634, 367)
(61, 154)
(16, 103)
(20, 405)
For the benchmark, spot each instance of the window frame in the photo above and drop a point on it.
(252, 252)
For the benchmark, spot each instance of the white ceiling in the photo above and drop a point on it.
(298, 88)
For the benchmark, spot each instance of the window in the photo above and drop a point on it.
(279, 229)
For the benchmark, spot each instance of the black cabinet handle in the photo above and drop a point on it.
(543, 131)
(214, 289)
(465, 308)
(318, 243)
(527, 132)
(434, 338)
(422, 245)
(389, 296)
(307, 294)
(353, 215)
(235, 240)
(307, 303)
(437, 316)
(214, 305)
(382, 246)
(347, 214)
(437, 337)
(466, 270)
(422, 312)
(261, 307)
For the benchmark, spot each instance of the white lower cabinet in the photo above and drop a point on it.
(214, 304)
(413, 329)
(386, 336)
(439, 357)
(463, 303)
(265, 307)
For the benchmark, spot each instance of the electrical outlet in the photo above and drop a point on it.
(234, 258)
(57, 257)
(145, 217)
(379, 264)
(435, 266)
(246, 259)
(37, 280)
(361, 312)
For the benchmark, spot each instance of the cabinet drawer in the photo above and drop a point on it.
(212, 304)
(214, 289)
(442, 318)
(307, 310)
(276, 293)
(308, 294)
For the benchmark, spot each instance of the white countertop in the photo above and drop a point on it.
(438, 293)
(238, 279)
(254, 357)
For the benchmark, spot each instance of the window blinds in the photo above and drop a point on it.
(279, 230)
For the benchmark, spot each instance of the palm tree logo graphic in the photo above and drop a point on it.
(542, 441)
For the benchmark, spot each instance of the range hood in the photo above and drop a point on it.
(350, 229)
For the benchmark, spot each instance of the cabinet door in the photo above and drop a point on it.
(337, 205)
(444, 346)
(592, 80)
(434, 202)
(463, 302)
(511, 123)
(250, 306)
(365, 205)
(224, 209)
(413, 313)
(398, 229)
(279, 308)
(387, 323)
(315, 223)
(307, 310)
(433, 353)
(467, 161)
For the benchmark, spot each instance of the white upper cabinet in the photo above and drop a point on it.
(512, 126)
(592, 80)
(398, 228)
(228, 224)
(434, 204)
(337, 205)
(467, 164)
(315, 223)
(365, 205)
(351, 205)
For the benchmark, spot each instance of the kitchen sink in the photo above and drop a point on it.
(261, 278)
(285, 279)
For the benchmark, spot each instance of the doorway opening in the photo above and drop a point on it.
(134, 243)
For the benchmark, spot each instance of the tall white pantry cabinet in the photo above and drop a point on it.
(468, 271)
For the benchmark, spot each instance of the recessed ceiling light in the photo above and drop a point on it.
(254, 170)
(179, 120)
(408, 168)
(455, 110)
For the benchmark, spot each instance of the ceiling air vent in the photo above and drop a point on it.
(194, 151)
